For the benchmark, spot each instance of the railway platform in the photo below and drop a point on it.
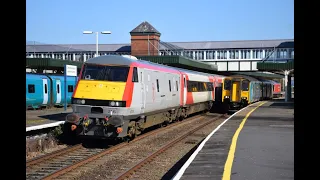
(254, 143)
(39, 119)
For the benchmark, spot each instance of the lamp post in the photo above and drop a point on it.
(97, 36)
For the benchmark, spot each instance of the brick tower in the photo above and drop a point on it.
(145, 40)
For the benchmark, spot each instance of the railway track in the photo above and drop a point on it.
(144, 165)
(58, 163)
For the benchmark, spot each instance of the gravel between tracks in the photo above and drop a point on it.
(110, 166)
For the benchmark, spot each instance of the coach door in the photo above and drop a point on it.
(143, 98)
(184, 90)
(170, 90)
(45, 91)
(58, 88)
(235, 97)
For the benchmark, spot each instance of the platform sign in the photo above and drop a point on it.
(69, 70)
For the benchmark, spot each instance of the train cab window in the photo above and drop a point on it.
(58, 88)
(210, 86)
(227, 84)
(245, 85)
(169, 85)
(157, 85)
(31, 88)
(105, 73)
(70, 88)
(45, 89)
(177, 85)
(135, 75)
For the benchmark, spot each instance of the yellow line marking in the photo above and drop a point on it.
(229, 162)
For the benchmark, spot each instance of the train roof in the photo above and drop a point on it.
(245, 77)
(197, 72)
(271, 81)
(122, 60)
(126, 61)
(35, 76)
(43, 75)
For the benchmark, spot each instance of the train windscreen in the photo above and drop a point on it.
(105, 73)
(245, 85)
(227, 84)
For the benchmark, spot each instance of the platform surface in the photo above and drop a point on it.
(263, 150)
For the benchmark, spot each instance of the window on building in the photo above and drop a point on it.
(232, 54)
(237, 54)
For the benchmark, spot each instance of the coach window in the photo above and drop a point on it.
(245, 85)
(169, 85)
(210, 86)
(135, 75)
(45, 89)
(70, 88)
(157, 85)
(31, 88)
(177, 85)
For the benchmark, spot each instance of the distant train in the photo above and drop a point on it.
(44, 90)
(119, 96)
(276, 89)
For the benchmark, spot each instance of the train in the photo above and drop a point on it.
(121, 96)
(48, 90)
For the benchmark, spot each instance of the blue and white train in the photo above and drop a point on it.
(47, 90)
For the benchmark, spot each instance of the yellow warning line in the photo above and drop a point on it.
(229, 162)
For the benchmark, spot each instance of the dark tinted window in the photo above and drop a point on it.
(245, 85)
(45, 89)
(227, 84)
(195, 86)
(70, 88)
(135, 75)
(157, 85)
(105, 73)
(31, 88)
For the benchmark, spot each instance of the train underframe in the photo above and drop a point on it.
(239, 104)
(107, 126)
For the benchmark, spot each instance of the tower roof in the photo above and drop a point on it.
(145, 28)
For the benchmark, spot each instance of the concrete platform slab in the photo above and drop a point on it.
(263, 146)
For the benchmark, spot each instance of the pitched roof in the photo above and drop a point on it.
(144, 27)
(200, 45)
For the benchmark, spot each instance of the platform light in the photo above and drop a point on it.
(97, 35)
(87, 32)
(106, 32)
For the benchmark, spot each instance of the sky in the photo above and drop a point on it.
(63, 21)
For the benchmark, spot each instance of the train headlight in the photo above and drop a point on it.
(227, 97)
(78, 101)
(83, 101)
(243, 97)
(117, 103)
(112, 103)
